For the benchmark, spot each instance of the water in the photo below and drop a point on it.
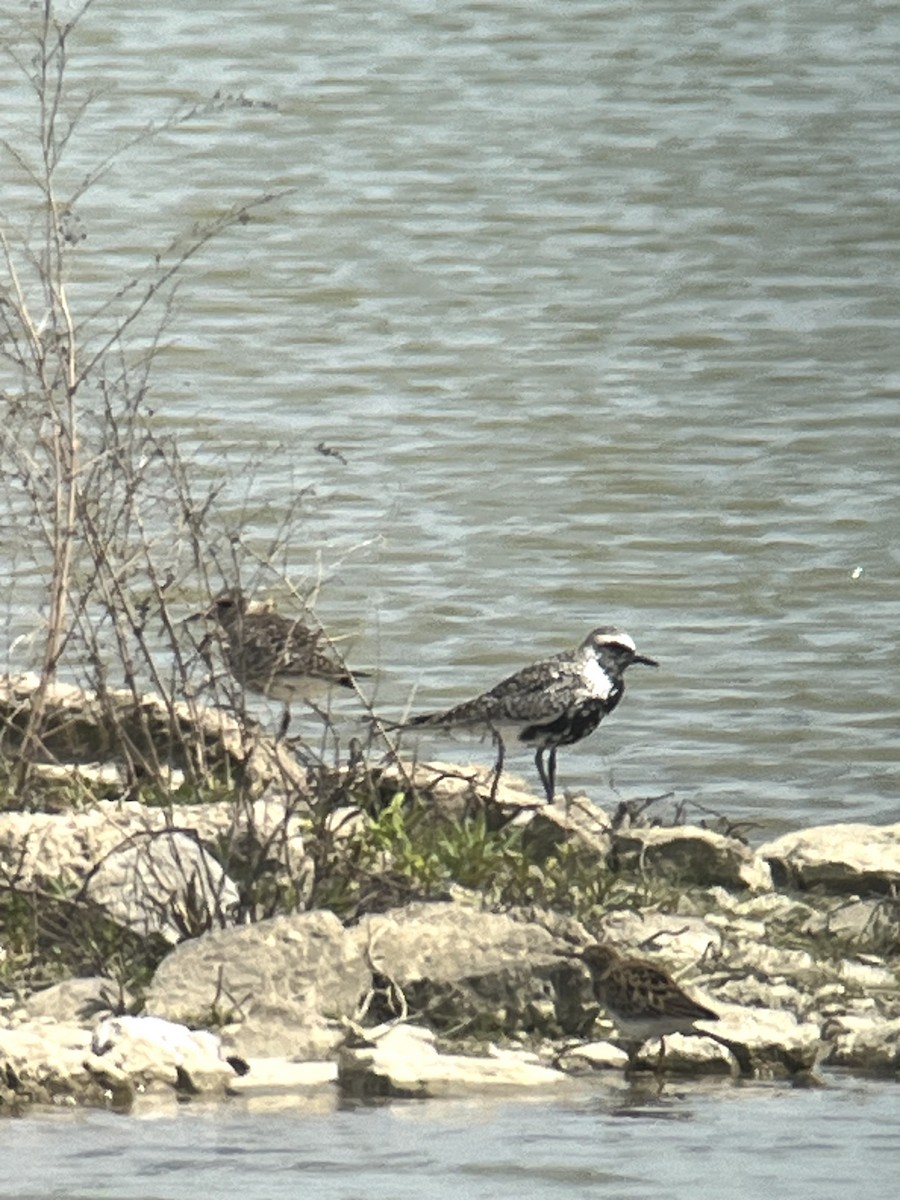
(703, 1143)
(600, 304)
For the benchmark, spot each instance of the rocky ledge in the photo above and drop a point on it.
(422, 989)
(435, 997)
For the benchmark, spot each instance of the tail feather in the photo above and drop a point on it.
(412, 722)
(423, 719)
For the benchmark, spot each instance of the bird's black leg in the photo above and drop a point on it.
(631, 1050)
(539, 764)
(662, 1055)
(546, 779)
(498, 766)
(283, 724)
(551, 774)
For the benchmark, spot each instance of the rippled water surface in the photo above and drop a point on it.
(706, 1144)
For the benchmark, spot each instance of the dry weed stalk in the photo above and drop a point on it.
(100, 501)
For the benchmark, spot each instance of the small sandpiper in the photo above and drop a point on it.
(552, 703)
(643, 1000)
(278, 656)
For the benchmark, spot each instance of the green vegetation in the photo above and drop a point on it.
(408, 850)
(51, 933)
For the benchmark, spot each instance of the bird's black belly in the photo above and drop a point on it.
(571, 727)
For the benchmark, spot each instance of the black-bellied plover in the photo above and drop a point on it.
(552, 703)
(275, 655)
(641, 999)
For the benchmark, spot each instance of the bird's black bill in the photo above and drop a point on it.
(647, 662)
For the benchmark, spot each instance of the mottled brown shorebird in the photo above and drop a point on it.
(643, 1000)
(279, 656)
(552, 703)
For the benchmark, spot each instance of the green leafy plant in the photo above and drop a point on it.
(50, 934)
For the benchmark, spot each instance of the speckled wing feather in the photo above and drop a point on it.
(538, 693)
(267, 651)
(635, 988)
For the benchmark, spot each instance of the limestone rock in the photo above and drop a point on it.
(453, 967)
(871, 977)
(41, 1062)
(566, 821)
(685, 852)
(36, 846)
(845, 858)
(767, 1043)
(455, 791)
(285, 1077)
(81, 727)
(863, 1042)
(144, 1052)
(870, 925)
(76, 1001)
(155, 870)
(689, 1055)
(679, 942)
(164, 883)
(402, 1061)
(277, 986)
(770, 908)
(756, 973)
(594, 1056)
(746, 989)
(798, 967)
